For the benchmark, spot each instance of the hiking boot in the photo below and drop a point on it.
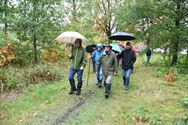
(126, 88)
(73, 88)
(107, 90)
(72, 91)
(79, 86)
(106, 95)
(78, 93)
(99, 84)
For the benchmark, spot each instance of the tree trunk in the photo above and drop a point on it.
(175, 44)
(35, 48)
(175, 53)
(5, 13)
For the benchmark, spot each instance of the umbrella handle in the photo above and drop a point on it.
(88, 72)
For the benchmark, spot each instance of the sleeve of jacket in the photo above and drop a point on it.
(119, 56)
(98, 63)
(115, 63)
(93, 55)
(133, 59)
(84, 59)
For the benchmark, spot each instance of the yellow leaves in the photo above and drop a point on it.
(171, 76)
(6, 54)
(51, 55)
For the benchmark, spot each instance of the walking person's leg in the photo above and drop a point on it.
(148, 59)
(104, 80)
(123, 76)
(127, 78)
(108, 85)
(94, 65)
(79, 78)
(99, 76)
(71, 80)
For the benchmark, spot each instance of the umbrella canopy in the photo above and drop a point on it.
(90, 48)
(70, 37)
(116, 48)
(122, 36)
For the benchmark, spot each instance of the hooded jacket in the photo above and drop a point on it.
(109, 63)
(78, 57)
(96, 55)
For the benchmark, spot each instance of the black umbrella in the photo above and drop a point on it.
(90, 48)
(122, 36)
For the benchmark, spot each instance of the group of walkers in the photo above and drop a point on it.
(106, 65)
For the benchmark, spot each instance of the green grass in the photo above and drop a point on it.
(32, 100)
(149, 101)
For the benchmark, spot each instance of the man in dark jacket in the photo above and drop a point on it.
(77, 66)
(128, 59)
(148, 54)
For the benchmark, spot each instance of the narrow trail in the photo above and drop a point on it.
(80, 102)
(69, 108)
(148, 96)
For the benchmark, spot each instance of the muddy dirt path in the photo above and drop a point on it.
(71, 110)
(59, 113)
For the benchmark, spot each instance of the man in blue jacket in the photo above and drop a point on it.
(96, 55)
(128, 59)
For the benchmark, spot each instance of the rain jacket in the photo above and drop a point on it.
(148, 52)
(96, 55)
(109, 63)
(78, 57)
(128, 58)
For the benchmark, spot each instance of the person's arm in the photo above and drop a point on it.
(70, 56)
(98, 63)
(84, 59)
(116, 65)
(84, 62)
(93, 55)
(119, 56)
(133, 59)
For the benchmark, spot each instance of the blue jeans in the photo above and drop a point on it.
(126, 74)
(99, 73)
(72, 72)
(148, 59)
(94, 63)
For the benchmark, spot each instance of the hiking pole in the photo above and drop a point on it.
(88, 72)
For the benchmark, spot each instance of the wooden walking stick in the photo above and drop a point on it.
(88, 72)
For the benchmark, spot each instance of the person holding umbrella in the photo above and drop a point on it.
(95, 56)
(128, 59)
(108, 61)
(78, 58)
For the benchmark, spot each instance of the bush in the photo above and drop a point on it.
(13, 77)
(6, 54)
(185, 101)
(23, 56)
(181, 121)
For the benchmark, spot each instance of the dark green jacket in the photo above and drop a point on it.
(78, 57)
(109, 63)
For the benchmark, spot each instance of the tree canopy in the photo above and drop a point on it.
(35, 24)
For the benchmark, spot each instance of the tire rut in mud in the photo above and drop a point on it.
(81, 101)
